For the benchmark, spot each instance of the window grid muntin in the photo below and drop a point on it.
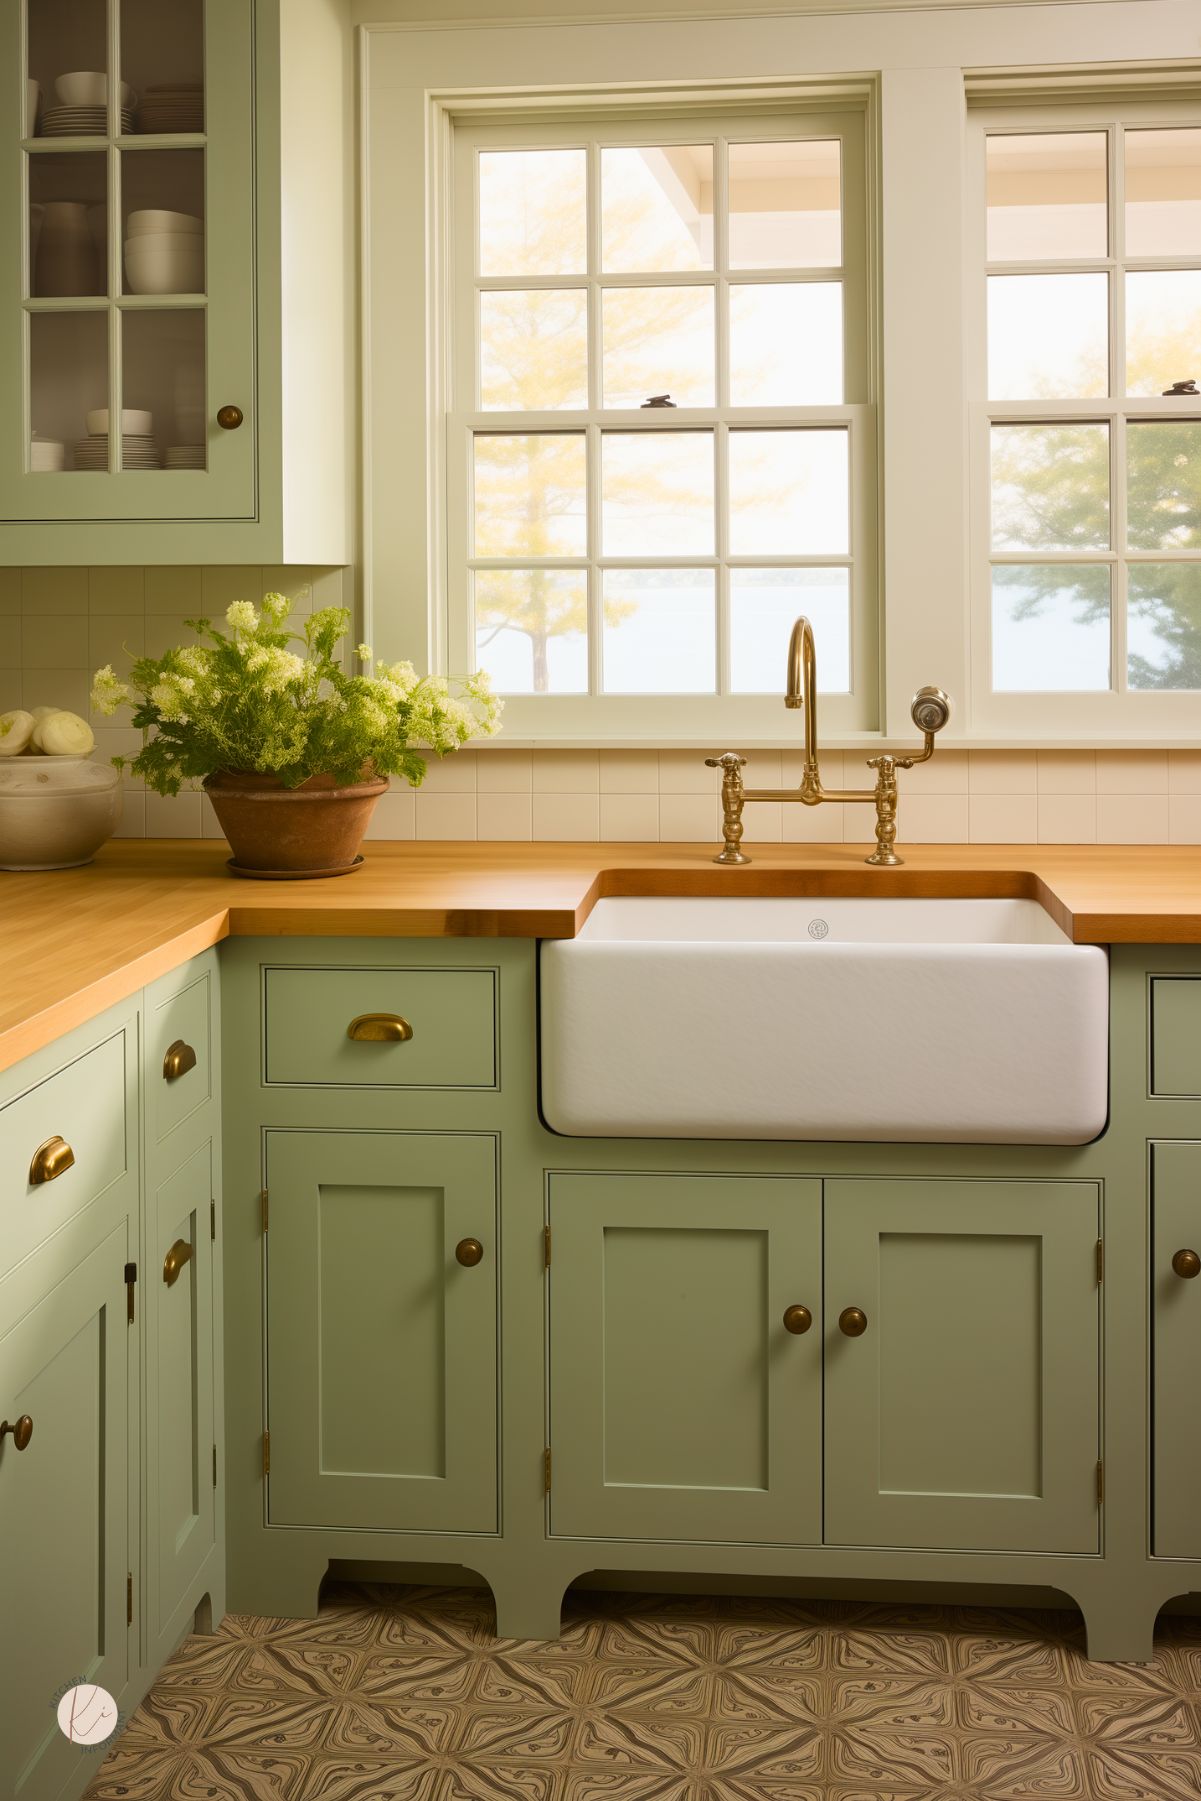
(854, 418)
(1118, 410)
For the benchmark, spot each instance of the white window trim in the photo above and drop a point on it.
(1121, 713)
(922, 65)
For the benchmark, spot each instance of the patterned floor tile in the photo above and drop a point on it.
(343, 1778)
(1029, 1767)
(1128, 1775)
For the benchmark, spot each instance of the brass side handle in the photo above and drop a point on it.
(229, 417)
(797, 1319)
(379, 1028)
(1187, 1264)
(178, 1059)
(852, 1322)
(51, 1160)
(469, 1252)
(22, 1430)
(179, 1254)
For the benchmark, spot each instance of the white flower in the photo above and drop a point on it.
(64, 735)
(107, 692)
(16, 729)
(276, 606)
(169, 696)
(365, 653)
(241, 615)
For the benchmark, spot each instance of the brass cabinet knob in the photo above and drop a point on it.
(797, 1319)
(379, 1028)
(179, 1254)
(22, 1430)
(852, 1322)
(469, 1252)
(229, 417)
(51, 1160)
(178, 1059)
(1187, 1264)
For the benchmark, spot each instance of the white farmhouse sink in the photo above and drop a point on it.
(961, 1021)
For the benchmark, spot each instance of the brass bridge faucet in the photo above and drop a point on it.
(929, 711)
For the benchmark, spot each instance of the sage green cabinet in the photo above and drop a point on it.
(381, 1329)
(681, 1407)
(966, 1415)
(1176, 1037)
(1176, 1347)
(64, 1514)
(178, 1299)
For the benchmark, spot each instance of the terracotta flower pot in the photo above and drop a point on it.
(311, 830)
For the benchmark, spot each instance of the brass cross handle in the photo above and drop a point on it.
(797, 1319)
(51, 1160)
(852, 1322)
(1187, 1264)
(379, 1028)
(178, 1059)
(179, 1254)
(22, 1430)
(469, 1252)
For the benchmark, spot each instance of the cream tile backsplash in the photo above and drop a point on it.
(57, 625)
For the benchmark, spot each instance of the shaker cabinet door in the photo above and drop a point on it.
(381, 1330)
(682, 1407)
(1176, 1327)
(962, 1385)
(64, 1519)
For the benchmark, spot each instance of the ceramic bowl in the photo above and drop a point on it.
(56, 812)
(85, 87)
(134, 422)
(155, 221)
(161, 269)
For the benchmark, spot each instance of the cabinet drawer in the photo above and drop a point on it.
(179, 1056)
(84, 1104)
(451, 1014)
(1176, 1036)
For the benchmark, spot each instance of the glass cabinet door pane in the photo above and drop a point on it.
(67, 77)
(162, 62)
(68, 380)
(68, 226)
(163, 386)
(162, 222)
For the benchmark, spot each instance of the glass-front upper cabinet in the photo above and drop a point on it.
(127, 379)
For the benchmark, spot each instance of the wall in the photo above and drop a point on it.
(58, 625)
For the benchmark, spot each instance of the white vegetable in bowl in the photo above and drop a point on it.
(40, 713)
(16, 729)
(64, 735)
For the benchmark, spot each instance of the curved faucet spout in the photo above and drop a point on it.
(801, 690)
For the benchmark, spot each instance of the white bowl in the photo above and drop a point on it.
(56, 812)
(180, 243)
(47, 456)
(86, 87)
(134, 422)
(164, 271)
(153, 221)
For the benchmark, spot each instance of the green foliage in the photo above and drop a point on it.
(245, 700)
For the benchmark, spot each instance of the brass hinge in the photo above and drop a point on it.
(131, 1276)
(1100, 1261)
(546, 1247)
(214, 1466)
(546, 1471)
(129, 1598)
(1100, 1481)
(263, 1200)
(212, 1219)
(266, 1453)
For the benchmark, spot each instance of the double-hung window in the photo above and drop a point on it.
(1087, 427)
(660, 437)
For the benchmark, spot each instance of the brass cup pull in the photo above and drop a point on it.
(50, 1160)
(1187, 1264)
(22, 1431)
(852, 1322)
(469, 1252)
(178, 1059)
(797, 1319)
(229, 417)
(379, 1028)
(179, 1254)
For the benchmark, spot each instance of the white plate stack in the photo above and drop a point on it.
(80, 122)
(139, 449)
(164, 252)
(184, 456)
(173, 106)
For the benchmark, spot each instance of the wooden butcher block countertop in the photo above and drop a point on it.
(76, 941)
